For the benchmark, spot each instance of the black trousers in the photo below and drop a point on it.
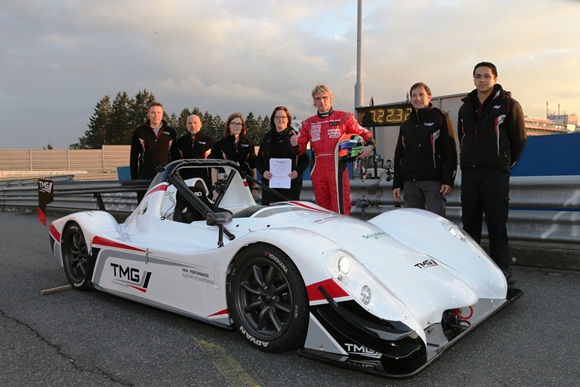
(485, 191)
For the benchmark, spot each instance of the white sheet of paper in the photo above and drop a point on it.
(280, 170)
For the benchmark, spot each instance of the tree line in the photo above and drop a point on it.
(113, 123)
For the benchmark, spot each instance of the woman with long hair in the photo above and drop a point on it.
(276, 144)
(237, 147)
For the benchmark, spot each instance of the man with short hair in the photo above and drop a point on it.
(492, 135)
(323, 131)
(425, 156)
(153, 145)
(195, 144)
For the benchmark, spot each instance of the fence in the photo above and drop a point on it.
(91, 161)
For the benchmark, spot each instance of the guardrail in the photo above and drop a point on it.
(542, 209)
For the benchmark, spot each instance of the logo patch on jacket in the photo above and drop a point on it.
(334, 133)
(315, 132)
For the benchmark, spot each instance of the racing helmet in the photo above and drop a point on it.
(349, 147)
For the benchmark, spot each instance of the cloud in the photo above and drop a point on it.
(60, 58)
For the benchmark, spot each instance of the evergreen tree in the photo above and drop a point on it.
(98, 125)
(197, 112)
(213, 125)
(181, 127)
(114, 123)
(139, 107)
(120, 130)
(252, 128)
(171, 120)
(264, 125)
(219, 125)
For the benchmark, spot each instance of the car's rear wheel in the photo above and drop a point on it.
(267, 299)
(75, 256)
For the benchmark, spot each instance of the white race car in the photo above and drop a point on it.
(385, 296)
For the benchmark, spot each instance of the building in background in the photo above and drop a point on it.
(541, 126)
(569, 120)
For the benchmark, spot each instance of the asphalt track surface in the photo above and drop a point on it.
(74, 338)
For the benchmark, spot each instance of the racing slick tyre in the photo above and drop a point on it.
(267, 299)
(75, 257)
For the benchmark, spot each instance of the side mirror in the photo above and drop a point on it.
(218, 218)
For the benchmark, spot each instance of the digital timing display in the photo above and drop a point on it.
(383, 115)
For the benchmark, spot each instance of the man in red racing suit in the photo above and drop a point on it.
(323, 130)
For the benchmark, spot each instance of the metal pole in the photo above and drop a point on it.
(358, 88)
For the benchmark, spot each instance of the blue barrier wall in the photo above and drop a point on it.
(551, 155)
(124, 173)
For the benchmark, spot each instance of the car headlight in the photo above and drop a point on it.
(454, 230)
(363, 286)
(365, 295)
(344, 264)
(465, 238)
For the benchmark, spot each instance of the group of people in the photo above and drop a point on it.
(155, 144)
(491, 137)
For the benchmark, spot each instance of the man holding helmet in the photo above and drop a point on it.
(324, 130)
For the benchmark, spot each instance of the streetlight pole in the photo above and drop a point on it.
(358, 88)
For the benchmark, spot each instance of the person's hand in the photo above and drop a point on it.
(294, 139)
(445, 189)
(366, 152)
(267, 175)
(293, 175)
(397, 194)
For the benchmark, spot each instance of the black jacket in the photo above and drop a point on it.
(190, 149)
(243, 152)
(426, 148)
(491, 135)
(195, 149)
(149, 151)
(277, 145)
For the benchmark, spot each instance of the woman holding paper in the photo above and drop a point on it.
(278, 159)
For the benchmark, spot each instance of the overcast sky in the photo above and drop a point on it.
(60, 57)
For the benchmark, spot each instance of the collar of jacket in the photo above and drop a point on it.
(421, 113)
(163, 124)
(327, 114)
(497, 93)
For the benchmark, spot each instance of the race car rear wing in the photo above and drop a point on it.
(47, 190)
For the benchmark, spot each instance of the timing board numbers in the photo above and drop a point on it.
(384, 115)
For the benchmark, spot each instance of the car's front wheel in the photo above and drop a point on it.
(75, 257)
(267, 299)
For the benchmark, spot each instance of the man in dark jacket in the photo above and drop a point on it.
(425, 155)
(492, 135)
(195, 145)
(153, 145)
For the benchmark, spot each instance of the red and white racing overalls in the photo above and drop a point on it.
(329, 175)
